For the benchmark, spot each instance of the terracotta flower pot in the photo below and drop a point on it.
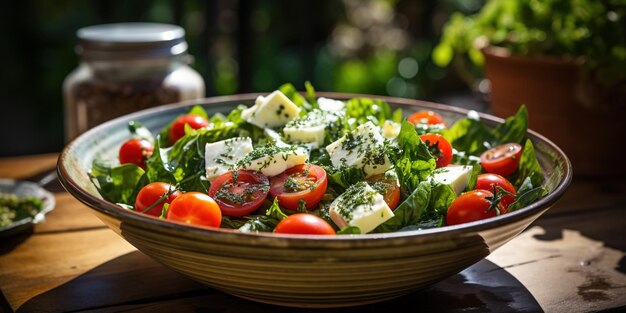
(586, 122)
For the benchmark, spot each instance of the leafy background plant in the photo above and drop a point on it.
(592, 30)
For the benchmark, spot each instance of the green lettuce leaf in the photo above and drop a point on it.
(264, 223)
(474, 137)
(527, 194)
(529, 166)
(119, 184)
(366, 109)
(413, 161)
(292, 93)
(409, 211)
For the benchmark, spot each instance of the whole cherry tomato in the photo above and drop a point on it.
(304, 223)
(195, 208)
(490, 181)
(177, 130)
(155, 195)
(135, 151)
(471, 206)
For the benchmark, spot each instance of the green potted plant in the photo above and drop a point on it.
(564, 59)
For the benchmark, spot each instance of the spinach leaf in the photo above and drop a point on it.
(349, 230)
(469, 135)
(310, 95)
(527, 194)
(156, 169)
(441, 196)
(474, 137)
(366, 109)
(119, 184)
(410, 211)
(513, 129)
(476, 169)
(264, 223)
(413, 161)
(344, 177)
(529, 166)
(292, 93)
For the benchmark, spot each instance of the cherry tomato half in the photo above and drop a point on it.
(502, 160)
(239, 192)
(152, 193)
(305, 182)
(195, 208)
(388, 187)
(177, 130)
(304, 223)
(470, 206)
(426, 117)
(489, 181)
(135, 151)
(439, 147)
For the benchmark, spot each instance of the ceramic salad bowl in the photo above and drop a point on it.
(302, 270)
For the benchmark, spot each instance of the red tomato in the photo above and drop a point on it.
(177, 130)
(439, 147)
(426, 117)
(388, 187)
(136, 151)
(502, 160)
(489, 181)
(304, 223)
(151, 194)
(239, 192)
(471, 206)
(305, 182)
(195, 208)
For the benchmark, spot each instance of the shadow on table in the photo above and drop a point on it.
(110, 287)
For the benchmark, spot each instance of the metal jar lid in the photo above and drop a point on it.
(130, 41)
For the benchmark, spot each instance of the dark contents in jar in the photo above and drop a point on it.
(97, 101)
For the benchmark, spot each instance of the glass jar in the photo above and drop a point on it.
(124, 68)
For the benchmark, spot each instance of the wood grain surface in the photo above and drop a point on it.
(571, 260)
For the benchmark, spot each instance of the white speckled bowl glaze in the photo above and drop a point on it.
(297, 270)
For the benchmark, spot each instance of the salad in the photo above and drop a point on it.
(297, 163)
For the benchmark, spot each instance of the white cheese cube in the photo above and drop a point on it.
(454, 175)
(222, 155)
(271, 111)
(361, 206)
(311, 128)
(363, 148)
(327, 104)
(273, 160)
(391, 129)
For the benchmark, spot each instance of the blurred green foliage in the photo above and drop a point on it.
(592, 29)
(372, 46)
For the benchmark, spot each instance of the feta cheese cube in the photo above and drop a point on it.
(363, 148)
(361, 206)
(220, 156)
(272, 111)
(273, 160)
(327, 104)
(456, 176)
(312, 127)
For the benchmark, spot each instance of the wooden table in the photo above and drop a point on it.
(570, 260)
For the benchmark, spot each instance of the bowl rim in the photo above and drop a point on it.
(122, 214)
